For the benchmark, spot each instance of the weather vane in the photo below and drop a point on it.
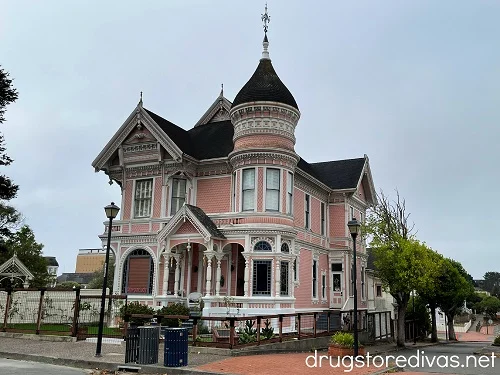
(266, 18)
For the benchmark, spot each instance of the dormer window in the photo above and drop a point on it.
(143, 198)
(178, 194)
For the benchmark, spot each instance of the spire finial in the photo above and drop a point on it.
(266, 18)
(140, 101)
(221, 89)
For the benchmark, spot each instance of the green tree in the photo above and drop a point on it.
(403, 263)
(98, 277)
(490, 305)
(8, 95)
(68, 285)
(492, 282)
(24, 245)
(454, 288)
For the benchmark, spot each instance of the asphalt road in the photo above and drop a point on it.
(456, 358)
(13, 367)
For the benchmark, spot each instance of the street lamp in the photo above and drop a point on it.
(111, 212)
(355, 228)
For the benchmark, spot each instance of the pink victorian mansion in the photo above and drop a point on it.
(227, 210)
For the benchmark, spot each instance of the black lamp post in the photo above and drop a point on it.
(354, 228)
(111, 212)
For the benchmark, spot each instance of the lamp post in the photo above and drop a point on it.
(111, 212)
(354, 228)
(414, 319)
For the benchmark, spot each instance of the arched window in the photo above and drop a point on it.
(262, 246)
(285, 248)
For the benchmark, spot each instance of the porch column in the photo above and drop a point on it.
(277, 277)
(292, 283)
(200, 271)
(218, 275)
(189, 270)
(166, 271)
(177, 272)
(208, 285)
(247, 275)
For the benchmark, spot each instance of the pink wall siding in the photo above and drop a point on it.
(315, 215)
(298, 208)
(186, 228)
(214, 194)
(127, 210)
(157, 197)
(303, 293)
(361, 192)
(268, 141)
(337, 220)
(260, 180)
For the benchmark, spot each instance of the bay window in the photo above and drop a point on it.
(272, 189)
(248, 190)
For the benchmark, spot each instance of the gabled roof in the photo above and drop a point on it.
(197, 217)
(218, 111)
(14, 267)
(52, 261)
(337, 174)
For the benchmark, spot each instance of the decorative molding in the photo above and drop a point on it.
(270, 240)
(268, 110)
(140, 147)
(310, 187)
(243, 158)
(143, 171)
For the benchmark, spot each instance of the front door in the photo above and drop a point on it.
(336, 297)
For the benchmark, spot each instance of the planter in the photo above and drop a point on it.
(340, 351)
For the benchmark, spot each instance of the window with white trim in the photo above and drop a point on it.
(261, 282)
(143, 198)
(284, 279)
(234, 191)
(307, 207)
(315, 279)
(285, 248)
(378, 290)
(178, 195)
(272, 189)
(363, 296)
(361, 217)
(289, 193)
(248, 190)
(295, 270)
(323, 219)
(262, 246)
(323, 285)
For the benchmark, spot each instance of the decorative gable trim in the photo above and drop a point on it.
(9, 267)
(218, 111)
(139, 117)
(180, 218)
(366, 173)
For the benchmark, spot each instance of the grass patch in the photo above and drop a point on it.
(43, 327)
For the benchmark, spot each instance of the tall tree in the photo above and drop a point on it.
(492, 282)
(98, 276)
(24, 245)
(8, 95)
(454, 288)
(403, 263)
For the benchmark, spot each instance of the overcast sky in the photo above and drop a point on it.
(412, 84)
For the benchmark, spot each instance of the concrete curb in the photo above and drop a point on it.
(109, 366)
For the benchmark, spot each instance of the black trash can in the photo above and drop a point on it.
(148, 346)
(176, 347)
(131, 345)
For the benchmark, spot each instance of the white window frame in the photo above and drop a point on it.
(351, 212)
(233, 192)
(377, 286)
(178, 198)
(323, 218)
(289, 193)
(287, 278)
(307, 211)
(243, 209)
(314, 270)
(267, 188)
(143, 199)
(268, 292)
(323, 286)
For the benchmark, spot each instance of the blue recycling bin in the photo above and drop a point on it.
(176, 347)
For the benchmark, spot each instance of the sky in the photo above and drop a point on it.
(413, 84)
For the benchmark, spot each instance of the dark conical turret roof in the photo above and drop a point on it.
(265, 85)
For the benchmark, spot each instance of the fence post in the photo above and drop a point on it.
(7, 308)
(281, 327)
(39, 318)
(258, 329)
(298, 317)
(328, 321)
(126, 319)
(76, 313)
(195, 330)
(231, 333)
(387, 325)
(314, 325)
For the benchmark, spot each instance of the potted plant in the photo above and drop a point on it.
(342, 344)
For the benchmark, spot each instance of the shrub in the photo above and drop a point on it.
(343, 339)
(248, 334)
(202, 328)
(136, 308)
(173, 309)
(496, 342)
(268, 331)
